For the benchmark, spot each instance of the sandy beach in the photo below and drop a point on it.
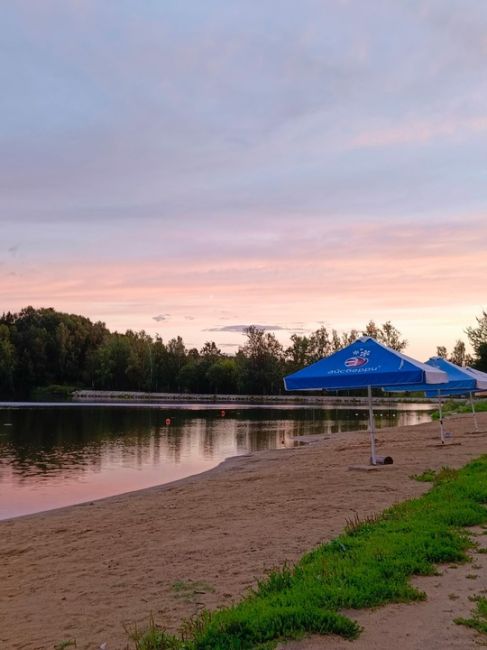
(91, 571)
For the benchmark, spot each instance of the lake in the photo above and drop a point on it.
(54, 455)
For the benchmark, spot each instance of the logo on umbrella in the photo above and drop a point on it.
(355, 362)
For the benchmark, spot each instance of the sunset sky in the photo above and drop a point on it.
(193, 167)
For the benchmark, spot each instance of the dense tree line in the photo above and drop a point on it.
(43, 347)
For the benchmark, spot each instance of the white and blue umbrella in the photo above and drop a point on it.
(461, 381)
(480, 376)
(365, 363)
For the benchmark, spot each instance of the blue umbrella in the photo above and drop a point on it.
(365, 363)
(461, 381)
(481, 378)
(479, 375)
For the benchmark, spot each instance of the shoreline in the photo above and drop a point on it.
(11, 508)
(158, 487)
(322, 400)
(98, 566)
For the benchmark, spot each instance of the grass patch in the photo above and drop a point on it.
(454, 407)
(479, 619)
(368, 565)
(154, 638)
(443, 475)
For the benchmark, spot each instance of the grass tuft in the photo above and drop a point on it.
(427, 476)
(154, 638)
(479, 619)
(436, 477)
(368, 565)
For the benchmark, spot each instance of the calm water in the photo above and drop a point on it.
(57, 455)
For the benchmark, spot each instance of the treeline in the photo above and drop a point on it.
(43, 347)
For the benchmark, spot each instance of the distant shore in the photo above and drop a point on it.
(318, 400)
(86, 571)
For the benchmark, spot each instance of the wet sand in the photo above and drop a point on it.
(90, 571)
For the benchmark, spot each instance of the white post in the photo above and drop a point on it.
(473, 412)
(442, 430)
(373, 459)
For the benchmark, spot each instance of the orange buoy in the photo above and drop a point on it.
(222, 413)
(168, 421)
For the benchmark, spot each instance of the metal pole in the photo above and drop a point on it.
(373, 458)
(442, 430)
(473, 412)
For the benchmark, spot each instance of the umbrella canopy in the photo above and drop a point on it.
(480, 376)
(461, 381)
(364, 363)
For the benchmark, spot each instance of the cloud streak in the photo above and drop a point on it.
(243, 328)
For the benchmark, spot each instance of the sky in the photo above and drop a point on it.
(191, 168)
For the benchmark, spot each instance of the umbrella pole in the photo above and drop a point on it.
(472, 404)
(373, 458)
(442, 429)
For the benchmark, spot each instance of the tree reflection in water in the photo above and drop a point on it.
(93, 452)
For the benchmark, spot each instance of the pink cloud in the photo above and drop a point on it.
(420, 131)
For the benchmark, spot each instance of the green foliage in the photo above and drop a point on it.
(369, 565)
(481, 360)
(479, 619)
(453, 407)
(478, 340)
(321, 343)
(154, 638)
(387, 334)
(39, 347)
(8, 360)
(443, 475)
(260, 363)
(458, 356)
(478, 335)
(42, 347)
(53, 391)
(222, 376)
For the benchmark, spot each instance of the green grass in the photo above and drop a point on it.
(368, 565)
(479, 619)
(452, 407)
(436, 477)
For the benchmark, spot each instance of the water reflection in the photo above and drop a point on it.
(56, 456)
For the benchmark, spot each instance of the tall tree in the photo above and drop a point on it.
(459, 355)
(260, 362)
(299, 352)
(8, 361)
(481, 359)
(478, 335)
(319, 344)
(441, 352)
(222, 376)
